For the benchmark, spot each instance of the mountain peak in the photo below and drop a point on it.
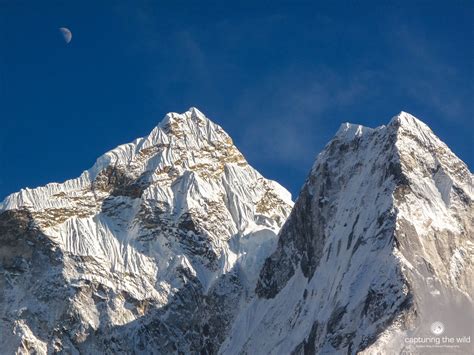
(196, 111)
(349, 131)
(407, 122)
(377, 247)
(404, 120)
(181, 142)
(179, 139)
(405, 116)
(191, 113)
(167, 223)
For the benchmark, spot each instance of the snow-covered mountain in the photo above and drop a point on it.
(169, 245)
(151, 250)
(378, 248)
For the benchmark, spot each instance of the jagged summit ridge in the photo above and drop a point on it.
(165, 146)
(178, 211)
(379, 245)
(403, 120)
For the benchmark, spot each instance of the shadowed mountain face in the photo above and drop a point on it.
(169, 244)
(379, 246)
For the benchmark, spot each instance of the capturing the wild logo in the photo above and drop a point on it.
(437, 328)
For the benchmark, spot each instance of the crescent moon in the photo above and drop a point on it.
(67, 34)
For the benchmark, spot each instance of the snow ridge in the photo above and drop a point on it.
(377, 247)
(175, 211)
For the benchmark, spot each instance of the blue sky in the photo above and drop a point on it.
(280, 77)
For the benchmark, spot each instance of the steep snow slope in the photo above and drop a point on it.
(378, 247)
(154, 246)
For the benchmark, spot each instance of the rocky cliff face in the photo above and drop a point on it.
(378, 247)
(152, 250)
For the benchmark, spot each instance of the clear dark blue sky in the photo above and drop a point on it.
(280, 77)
